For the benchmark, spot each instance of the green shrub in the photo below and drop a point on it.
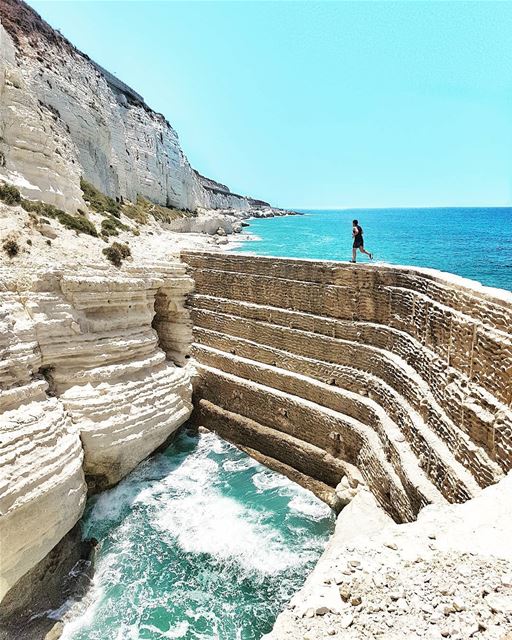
(117, 252)
(31, 206)
(9, 194)
(41, 208)
(142, 209)
(137, 211)
(77, 223)
(11, 247)
(111, 226)
(98, 201)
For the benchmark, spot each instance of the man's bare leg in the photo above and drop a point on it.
(363, 250)
(353, 255)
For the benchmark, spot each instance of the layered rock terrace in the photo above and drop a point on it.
(392, 377)
(90, 387)
(345, 378)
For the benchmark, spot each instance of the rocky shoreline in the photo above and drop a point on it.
(429, 579)
(41, 240)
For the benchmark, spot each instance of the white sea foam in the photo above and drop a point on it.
(266, 480)
(110, 505)
(83, 613)
(208, 522)
(202, 520)
(309, 506)
(179, 631)
(189, 502)
(240, 465)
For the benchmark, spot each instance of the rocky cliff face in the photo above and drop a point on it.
(63, 116)
(88, 390)
(402, 376)
(344, 377)
(348, 378)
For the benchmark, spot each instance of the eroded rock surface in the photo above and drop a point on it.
(448, 575)
(403, 374)
(86, 389)
(392, 379)
(62, 116)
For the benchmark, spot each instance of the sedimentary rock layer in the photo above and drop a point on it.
(63, 116)
(403, 374)
(87, 393)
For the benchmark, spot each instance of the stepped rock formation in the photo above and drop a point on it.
(398, 380)
(386, 389)
(346, 378)
(88, 391)
(403, 374)
(62, 116)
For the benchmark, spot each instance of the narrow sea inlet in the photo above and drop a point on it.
(198, 542)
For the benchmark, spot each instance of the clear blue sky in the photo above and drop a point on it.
(330, 104)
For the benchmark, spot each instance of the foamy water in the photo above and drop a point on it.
(199, 542)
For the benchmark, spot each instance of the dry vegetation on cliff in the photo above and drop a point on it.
(36, 232)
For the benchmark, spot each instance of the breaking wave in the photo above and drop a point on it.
(199, 542)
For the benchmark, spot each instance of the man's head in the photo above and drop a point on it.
(354, 222)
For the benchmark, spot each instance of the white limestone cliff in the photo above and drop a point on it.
(62, 116)
(36, 152)
(87, 393)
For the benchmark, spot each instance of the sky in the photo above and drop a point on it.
(320, 104)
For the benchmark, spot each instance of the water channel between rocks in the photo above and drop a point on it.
(200, 541)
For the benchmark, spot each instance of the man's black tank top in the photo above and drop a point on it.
(359, 235)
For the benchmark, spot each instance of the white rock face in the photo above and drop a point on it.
(42, 486)
(445, 575)
(86, 388)
(36, 152)
(62, 117)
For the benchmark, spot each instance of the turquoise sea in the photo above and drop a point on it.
(472, 242)
(199, 542)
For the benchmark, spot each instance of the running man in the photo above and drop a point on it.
(357, 234)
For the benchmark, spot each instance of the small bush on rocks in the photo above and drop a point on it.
(11, 247)
(142, 209)
(31, 206)
(98, 201)
(9, 194)
(117, 252)
(78, 223)
(111, 226)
